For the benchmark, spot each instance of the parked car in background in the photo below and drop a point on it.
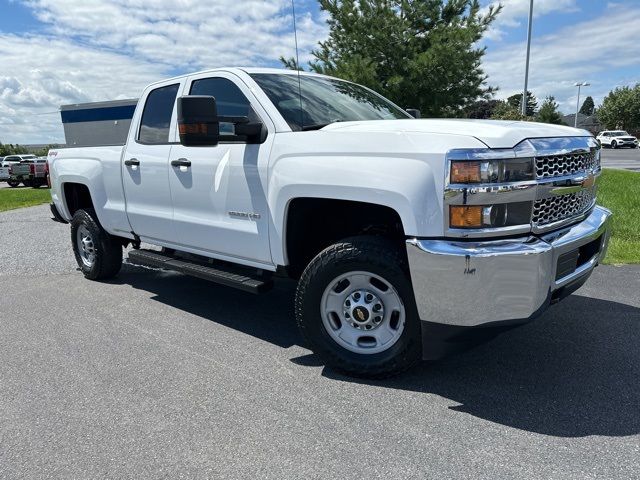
(31, 172)
(4, 172)
(617, 139)
(5, 167)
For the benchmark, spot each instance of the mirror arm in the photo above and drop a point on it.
(255, 132)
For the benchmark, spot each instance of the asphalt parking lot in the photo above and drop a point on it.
(157, 375)
(624, 158)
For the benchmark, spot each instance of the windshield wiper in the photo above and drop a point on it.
(317, 126)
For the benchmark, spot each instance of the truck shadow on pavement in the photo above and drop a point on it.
(574, 372)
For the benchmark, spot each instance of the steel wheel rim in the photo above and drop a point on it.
(362, 312)
(86, 247)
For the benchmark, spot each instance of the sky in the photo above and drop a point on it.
(56, 52)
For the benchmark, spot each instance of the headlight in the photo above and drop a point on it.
(491, 171)
(489, 216)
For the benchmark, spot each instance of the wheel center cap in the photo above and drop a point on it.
(360, 314)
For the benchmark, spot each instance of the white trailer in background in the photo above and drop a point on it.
(98, 123)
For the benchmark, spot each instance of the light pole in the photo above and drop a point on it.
(579, 85)
(526, 70)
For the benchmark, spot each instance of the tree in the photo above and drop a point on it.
(420, 54)
(482, 108)
(10, 149)
(532, 103)
(290, 63)
(505, 111)
(587, 106)
(621, 109)
(549, 112)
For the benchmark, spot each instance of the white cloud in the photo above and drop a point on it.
(183, 32)
(516, 12)
(106, 49)
(586, 51)
(47, 72)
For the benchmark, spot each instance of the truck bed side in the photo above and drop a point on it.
(99, 170)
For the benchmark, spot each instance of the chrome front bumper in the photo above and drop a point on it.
(475, 283)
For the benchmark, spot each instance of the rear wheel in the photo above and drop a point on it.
(355, 307)
(98, 254)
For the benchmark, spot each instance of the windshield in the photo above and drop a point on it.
(324, 100)
(619, 133)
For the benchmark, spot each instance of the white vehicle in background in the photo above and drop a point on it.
(617, 139)
(6, 164)
(397, 229)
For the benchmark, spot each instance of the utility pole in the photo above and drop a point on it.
(583, 84)
(526, 71)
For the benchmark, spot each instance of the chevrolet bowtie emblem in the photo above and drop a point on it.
(588, 182)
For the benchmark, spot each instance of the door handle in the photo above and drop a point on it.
(132, 162)
(181, 162)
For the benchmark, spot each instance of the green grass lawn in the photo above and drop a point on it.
(11, 198)
(619, 191)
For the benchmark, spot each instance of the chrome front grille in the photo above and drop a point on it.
(549, 166)
(561, 191)
(555, 209)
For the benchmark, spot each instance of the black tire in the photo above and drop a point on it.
(13, 183)
(108, 250)
(371, 254)
(27, 183)
(614, 145)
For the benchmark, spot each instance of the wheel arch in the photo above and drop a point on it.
(313, 223)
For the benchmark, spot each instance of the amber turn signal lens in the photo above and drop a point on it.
(465, 172)
(465, 216)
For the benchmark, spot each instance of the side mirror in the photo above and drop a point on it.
(198, 122)
(414, 112)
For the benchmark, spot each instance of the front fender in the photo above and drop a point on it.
(398, 183)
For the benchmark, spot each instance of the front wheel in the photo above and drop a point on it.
(614, 145)
(98, 254)
(355, 307)
(13, 183)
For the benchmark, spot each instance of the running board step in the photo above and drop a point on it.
(230, 277)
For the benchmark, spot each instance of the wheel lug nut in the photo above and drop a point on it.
(377, 307)
(378, 319)
(356, 296)
(369, 297)
(348, 303)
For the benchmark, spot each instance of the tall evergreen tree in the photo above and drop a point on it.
(549, 113)
(419, 53)
(587, 106)
(532, 103)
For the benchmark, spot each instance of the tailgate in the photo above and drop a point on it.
(20, 169)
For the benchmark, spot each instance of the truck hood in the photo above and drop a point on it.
(493, 133)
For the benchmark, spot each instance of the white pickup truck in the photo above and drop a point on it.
(8, 163)
(399, 230)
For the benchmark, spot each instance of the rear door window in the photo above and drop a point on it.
(156, 117)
